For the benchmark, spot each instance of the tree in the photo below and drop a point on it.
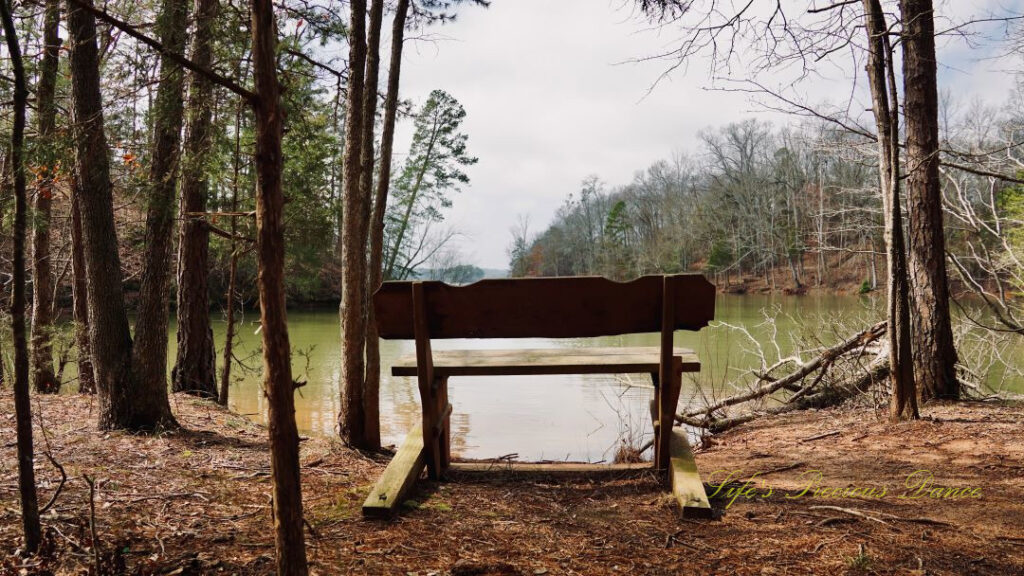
(277, 372)
(881, 77)
(351, 423)
(375, 275)
(433, 169)
(934, 351)
(42, 275)
(22, 403)
(149, 353)
(80, 295)
(360, 272)
(121, 405)
(195, 365)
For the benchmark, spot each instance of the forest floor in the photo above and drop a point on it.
(197, 501)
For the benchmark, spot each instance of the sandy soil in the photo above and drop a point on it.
(196, 502)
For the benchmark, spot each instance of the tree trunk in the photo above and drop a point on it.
(120, 403)
(371, 383)
(229, 336)
(42, 276)
(195, 365)
(934, 351)
(885, 107)
(22, 403)
(371, 399)
(352, 423)
(277, 370)
(80, 296)
(149, 359)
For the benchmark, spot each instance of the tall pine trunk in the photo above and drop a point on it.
(121, 405)
(371, 383)
(195, 365)
(42, 275)
(371, 399)
(149, 359)
(934, 350)
(277, 371)
(351, 423)
(229, 297)
(22, 403)
(80, 296)
(885, 106)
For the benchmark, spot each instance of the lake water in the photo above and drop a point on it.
(554, 417)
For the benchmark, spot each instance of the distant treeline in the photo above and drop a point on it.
(782, 208)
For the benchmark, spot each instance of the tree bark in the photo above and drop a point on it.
(80, 296)
(42, 292)
(120, 403)
(22, 403)
(149, 355)
(935, 354)
(351, 423)
(229, 336)
(881, 78)
(277, 371)
(371, 383)
(371, 398)
(195, 365)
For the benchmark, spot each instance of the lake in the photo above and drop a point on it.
(557, 417)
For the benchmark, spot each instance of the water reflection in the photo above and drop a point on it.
(543, 417)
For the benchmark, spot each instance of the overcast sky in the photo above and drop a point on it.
(551, 97)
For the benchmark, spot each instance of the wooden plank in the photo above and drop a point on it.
(547, 467)
(570, 307)
(686, 484)
(391, 488)
(546, 361)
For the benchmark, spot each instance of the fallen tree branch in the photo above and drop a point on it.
(876, 371)
(822, 361)
(63, 480)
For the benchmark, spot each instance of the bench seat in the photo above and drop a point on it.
(537, 361)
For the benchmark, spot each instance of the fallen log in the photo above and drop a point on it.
(823, 361)
(874, 372)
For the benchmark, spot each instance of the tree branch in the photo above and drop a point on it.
(184, 62)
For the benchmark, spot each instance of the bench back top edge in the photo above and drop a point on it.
(563, 307)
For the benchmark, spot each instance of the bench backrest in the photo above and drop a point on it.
(568, 307)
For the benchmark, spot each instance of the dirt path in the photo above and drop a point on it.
(196, 502)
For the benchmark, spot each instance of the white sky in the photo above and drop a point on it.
(549, 100)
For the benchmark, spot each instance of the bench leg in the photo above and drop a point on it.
(668, 398)
(431, 449)
(444, 436)
(656, 415)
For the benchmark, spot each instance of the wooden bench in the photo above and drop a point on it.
(574, 307)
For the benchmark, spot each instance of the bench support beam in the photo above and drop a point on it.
(398, 478)
(669, 377)
(686, 484)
